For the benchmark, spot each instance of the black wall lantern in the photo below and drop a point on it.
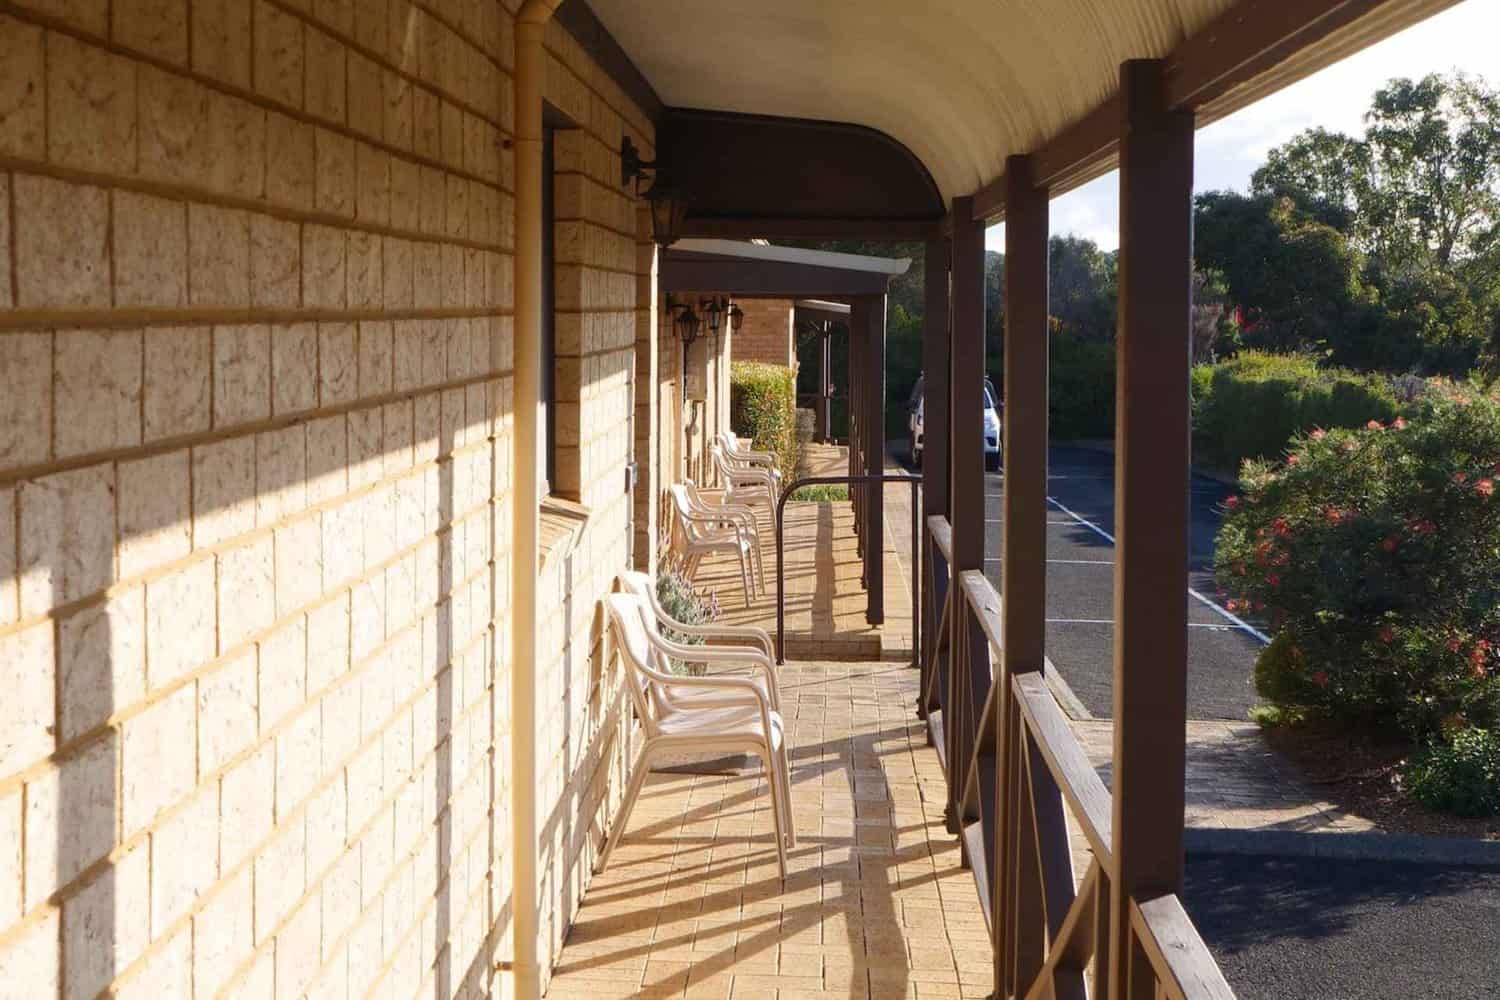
(717, 310)
(668, 206)
(685, 322)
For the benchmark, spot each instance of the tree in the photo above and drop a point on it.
(1294, 280)
(1081, 296)
(1422, 188)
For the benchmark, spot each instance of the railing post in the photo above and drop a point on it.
(1151, 497)
(966, 490)
(1023, 577)
(934, 419)
(867, 317)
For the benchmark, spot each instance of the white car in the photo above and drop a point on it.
(991, 425)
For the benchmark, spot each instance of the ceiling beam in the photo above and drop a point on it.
(1215, 71)
(578, 19)
(896, 230)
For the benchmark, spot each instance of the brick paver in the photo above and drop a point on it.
(876, 904)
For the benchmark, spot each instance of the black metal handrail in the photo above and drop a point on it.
(916, 607)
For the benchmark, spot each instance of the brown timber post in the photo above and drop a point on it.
(1151, 505)
(1023, 578)
(825, 394)
(935, 341)
(855, 428)
(966, 489)
(867, 318)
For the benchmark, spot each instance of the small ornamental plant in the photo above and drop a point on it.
(1374, 553)
(683, 602)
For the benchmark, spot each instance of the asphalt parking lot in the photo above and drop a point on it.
(1338, 929)
(1080, 589)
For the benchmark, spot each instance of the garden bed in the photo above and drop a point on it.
(1363, 778)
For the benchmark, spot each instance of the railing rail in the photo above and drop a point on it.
(1015, 770)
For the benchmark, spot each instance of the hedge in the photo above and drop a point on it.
(1252, 406)
(1080, 389)
(763, 408)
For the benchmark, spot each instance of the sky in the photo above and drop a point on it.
(1465, 37)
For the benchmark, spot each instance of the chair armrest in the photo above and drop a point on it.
(759, 636)
(736, 656)
(734, 683)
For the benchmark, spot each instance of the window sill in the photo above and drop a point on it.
(562, 523)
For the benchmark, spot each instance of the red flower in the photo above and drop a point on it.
(1455, 644)
(1389, 544)
(1293, 459)
(1476, 660)
(1281, 527)
(1318, 434)
(1232, 605)
(1273, 580)
(1374, 425)
(1232, 502)
(1320, 679)
(1399, 423)
(1460, 478)
(1485, 487)
(1476, 670)
(1336, 516)
(1387, 635)
(1258, 606)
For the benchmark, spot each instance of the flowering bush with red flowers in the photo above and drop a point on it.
(1374, 554)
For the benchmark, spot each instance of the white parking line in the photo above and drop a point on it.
(1109, 621)
(1226, 613)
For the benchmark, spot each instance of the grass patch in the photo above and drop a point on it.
(822, 493)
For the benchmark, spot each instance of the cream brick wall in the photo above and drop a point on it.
(767, 332)
(255, 350)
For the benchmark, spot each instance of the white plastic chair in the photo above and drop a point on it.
(740, 451)
(703, 534)
(743, 723)
(732, 515)
(735, 645)
(745, 483)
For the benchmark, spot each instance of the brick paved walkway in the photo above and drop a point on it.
(825, 602)
(876, 905)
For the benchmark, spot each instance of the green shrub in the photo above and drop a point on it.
(822, 492)
(1376, 555)
(1251, 407)
(681, 600)
(1461, 777)
(763, 408)
(1081, 388)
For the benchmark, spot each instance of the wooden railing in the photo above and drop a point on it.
(1015, 771)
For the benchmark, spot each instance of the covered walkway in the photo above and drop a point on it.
(876, 904)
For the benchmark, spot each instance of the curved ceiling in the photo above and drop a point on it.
(962, 83)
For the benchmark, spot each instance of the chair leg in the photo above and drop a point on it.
(637, 780)
(786, 786)
(773, 785)
(745, 573)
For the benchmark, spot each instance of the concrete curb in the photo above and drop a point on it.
(1363, 846)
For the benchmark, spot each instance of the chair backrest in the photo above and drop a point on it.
(628, 619)
(684, 509)
(643, 588)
